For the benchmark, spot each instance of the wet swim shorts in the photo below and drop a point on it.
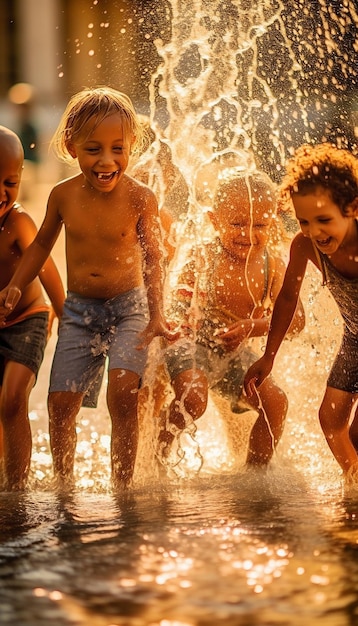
(225, 371)
(25, 342)
(92, 330)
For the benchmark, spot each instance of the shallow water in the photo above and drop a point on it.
(246, 549)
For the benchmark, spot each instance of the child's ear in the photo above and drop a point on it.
(71, 149)
(353, 208)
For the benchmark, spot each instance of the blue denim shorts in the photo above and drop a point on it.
(24, 342)
(92, 330)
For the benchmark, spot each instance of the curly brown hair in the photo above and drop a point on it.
(323, 165)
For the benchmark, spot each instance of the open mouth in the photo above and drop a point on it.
(106, 176)
(323, 242)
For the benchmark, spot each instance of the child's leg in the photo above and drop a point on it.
(353, 430)
(18, 382)
(191, 397)
(271, 404)
(63, 407)
(334, 415)
(122, 401)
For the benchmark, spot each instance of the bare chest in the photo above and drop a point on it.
(238, 289)
(111, 225)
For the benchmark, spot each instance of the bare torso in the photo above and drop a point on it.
(17, 232)
(103, 251)
(239, 286)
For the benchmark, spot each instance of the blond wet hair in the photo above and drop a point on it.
(94, 105)
(232, 179)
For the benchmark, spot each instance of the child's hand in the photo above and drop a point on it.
(9, 297)
(232, 337)
(51, 318)
(157, 328)
(256, 375)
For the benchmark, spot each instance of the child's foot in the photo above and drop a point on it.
(165, 441)
(64, 485)
(351, 477)
(169, 452)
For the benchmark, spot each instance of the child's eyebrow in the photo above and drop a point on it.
(98, 141)
(317, 217)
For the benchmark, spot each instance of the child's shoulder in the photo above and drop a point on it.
(16, 223)
(16, 214)
(66, 188)
(302, 250)
(139, 191)
(302, 244)
(71, 181)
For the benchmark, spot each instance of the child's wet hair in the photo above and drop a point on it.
(258, 184)
(95, 105)
(232, 179)
(323, 165)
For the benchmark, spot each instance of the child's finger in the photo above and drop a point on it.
(251, 386)
(12, 298)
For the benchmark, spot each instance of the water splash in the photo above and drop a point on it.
(263, 75)
(243, 83)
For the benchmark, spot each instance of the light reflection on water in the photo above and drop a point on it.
(251, 548)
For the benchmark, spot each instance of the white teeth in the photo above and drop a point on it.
(106, 175)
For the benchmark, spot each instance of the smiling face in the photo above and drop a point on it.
(322, 220)
(243, 216)
(11, 163)
(103, 152)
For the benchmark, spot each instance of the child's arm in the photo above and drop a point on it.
(151, 242)
(259, 326)
(283, 313)
(298, 320)
(33, 259)
(51, 281)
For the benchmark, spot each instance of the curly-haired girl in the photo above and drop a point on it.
(322, 182)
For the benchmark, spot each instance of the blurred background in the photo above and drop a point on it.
(50, 49)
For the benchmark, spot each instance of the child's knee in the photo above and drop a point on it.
(273, 400)
(191, 392)
(195, 403)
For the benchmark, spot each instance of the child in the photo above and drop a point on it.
(112, 250)
(24, 335)
(322, 182)
(235, 286)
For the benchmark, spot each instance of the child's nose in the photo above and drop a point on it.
(3, 192)
(106, 157)
(314, 230)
